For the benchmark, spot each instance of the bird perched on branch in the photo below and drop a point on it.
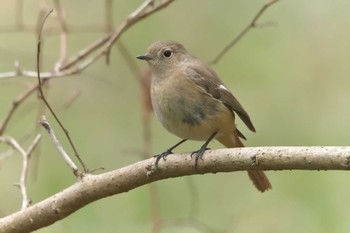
(191, 101)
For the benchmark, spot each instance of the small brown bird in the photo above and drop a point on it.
(191, 101)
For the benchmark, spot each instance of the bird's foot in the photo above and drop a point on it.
(163, 156)
(198, 154)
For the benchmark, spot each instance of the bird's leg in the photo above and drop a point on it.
(167, 152)
(199, 153)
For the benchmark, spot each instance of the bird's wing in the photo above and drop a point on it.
(210, 83)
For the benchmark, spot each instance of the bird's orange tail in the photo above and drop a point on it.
(259, 179)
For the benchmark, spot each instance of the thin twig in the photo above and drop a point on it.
(145, 9)
(59, 147)
(71, 66)
(251, 25)
(22, 184)
(43, 75)
(63, 35)
(84, 53)
(47, 103)
(107, 42)
(24, 173)
(34, 144)
(42, 15)
(25, 160)
(141, 8)
(15, 103)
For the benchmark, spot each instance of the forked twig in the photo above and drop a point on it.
(251, 25)
(145, 9)
(25, 162)
(47, 103)
(59, 147)
(79, 62)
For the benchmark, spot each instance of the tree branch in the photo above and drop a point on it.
(250, 26)
(59, 147)
(94, 187)
(15, 103)
(83, 59)
(43, 98)
(25, 160)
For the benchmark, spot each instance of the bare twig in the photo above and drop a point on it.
(43, 75)
(15, 103)
(22, 185)
(24, 173)
(42, 16)
(63, 35)
(59, 147)
(251, 25)
(74, 60)
(103, 46)
(94, 187)
(47, 103)
(20, 25)
(33, 145)
(25, 160)
(141, 8)
(145, 9)
(19, 71)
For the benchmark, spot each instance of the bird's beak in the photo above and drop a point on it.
(144, 57)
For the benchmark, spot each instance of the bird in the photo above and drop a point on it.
(191, 101)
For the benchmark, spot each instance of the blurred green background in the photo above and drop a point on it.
(292, 78)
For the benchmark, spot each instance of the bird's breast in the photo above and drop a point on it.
(186, 111)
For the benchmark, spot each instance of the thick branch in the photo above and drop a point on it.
(94, 187)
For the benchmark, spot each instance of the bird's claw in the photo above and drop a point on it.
(161, 156)
(198, 154)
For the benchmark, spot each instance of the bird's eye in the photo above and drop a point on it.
(167, 53)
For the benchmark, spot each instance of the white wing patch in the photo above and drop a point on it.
(223, 87)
